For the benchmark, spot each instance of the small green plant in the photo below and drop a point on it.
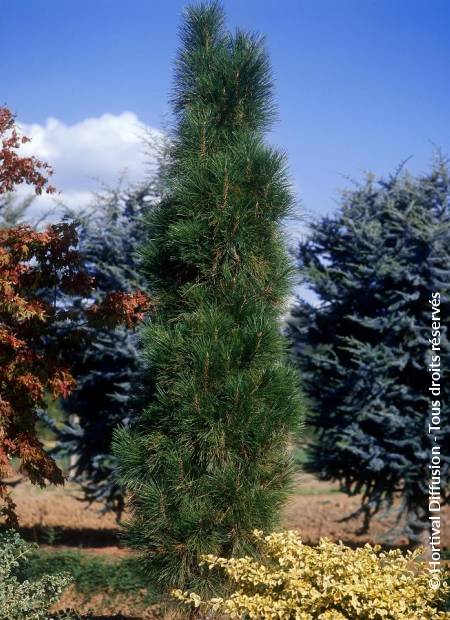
(27, 600)
(328, 582)
(50, 536)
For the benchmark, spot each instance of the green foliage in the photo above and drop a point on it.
(207, 459)
(364, 349)
(28, 599)
(90, 574)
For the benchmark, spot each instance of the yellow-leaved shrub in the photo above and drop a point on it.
(330, 581)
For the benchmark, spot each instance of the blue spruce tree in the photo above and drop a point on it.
(364, 350)
(108, 365)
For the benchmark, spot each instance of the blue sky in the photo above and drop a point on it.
(360, 84)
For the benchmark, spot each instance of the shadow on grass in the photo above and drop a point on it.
(93, 538)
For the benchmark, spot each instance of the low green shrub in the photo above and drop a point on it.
(27, 599)
(90, 574)
(292, 580)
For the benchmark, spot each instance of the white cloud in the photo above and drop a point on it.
(88, 154)
(97, 152)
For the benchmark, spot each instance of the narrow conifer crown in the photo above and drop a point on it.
(207, 460)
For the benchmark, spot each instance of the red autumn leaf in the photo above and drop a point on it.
(117, 307)
(15, 169)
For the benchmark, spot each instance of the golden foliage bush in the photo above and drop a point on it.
(294, 581)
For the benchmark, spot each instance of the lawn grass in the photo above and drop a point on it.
(92, 574)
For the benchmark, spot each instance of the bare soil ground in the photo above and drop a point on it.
(56, 517)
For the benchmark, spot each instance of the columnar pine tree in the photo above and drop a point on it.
(365, 349)
(207, 460)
